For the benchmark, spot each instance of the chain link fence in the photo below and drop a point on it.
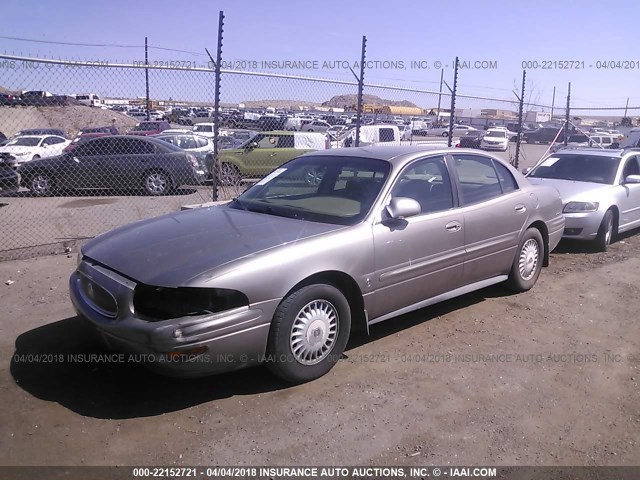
(94, 145)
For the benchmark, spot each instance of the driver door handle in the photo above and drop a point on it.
(453, 226)
(520, 208)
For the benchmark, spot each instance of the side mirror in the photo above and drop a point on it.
(251, 146)
(526, 170)
(403, 207)
(632, 179)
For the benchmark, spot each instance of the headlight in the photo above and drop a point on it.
(580, 207)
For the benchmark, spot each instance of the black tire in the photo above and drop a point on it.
(523, 275)
(445, 134)
(312, 176)
(229, 175)
(35, 157)
(291, 353)
(157, 182)
(41, 184)
(606, 232)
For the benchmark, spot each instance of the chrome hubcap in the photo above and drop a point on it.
(40, 184)
(314, 332)
(528, 259)
(607, 236)
(156, 183)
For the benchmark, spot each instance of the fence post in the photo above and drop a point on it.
(146, 75)
(453, 102)
(566, 116)
(216, 109)
(516, 161)
(360, 89)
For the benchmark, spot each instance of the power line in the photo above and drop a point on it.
(115, 45)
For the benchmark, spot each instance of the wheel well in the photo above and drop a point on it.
(542, 228)
(349, 288)
(616, 218)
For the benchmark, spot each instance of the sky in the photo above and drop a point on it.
(329, 34)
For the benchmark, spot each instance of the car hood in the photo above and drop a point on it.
(172, 249)
(571, 190)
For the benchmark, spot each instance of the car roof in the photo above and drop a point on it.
(395, 154)
(38, 136)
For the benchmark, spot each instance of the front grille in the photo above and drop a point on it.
(97, 297)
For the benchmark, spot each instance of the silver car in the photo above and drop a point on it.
(283, 274)
(600, 191)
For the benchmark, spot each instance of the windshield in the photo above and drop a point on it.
(337, 190)
(578, 168)
(145, 126)
(25, 142)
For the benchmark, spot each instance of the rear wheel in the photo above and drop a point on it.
(606, 232)
(445, 134)
(35, 157)
(308, 334)
(229, 175)
(157, 183)
(528, 262)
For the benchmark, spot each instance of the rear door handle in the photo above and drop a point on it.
(520, 208)
(453, 226)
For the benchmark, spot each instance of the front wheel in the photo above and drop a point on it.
(445, 134)
(308, 333)
(528, 262)
(605, 232)
(41, 184)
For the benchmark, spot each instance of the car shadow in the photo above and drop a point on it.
(49, 363)
(53, 363)
(568, 245)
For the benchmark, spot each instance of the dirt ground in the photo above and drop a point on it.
(548, 377)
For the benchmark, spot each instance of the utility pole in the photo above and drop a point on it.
(440, 94)
(553, 102)
(146, 74)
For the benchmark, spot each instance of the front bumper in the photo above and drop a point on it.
(498, 146)
(582, 226)
(232, 340)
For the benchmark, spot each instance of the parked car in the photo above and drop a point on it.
(600, 191)
(199, 145)
(586, 141)
(316, 126)
(444, 131)
(149, 128)
(471, 139)
(543, 135)
(115, 162)
(283, 274)
(495, 139)
(204, 129)
(405, 132)
(41, 131)
(264, 152)
(31, 147)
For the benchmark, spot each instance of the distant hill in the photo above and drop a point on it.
(341, 101)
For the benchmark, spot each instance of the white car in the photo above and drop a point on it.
(405, 132)
(495, 139)
(510, 134)
(316, 126)
(31, 147)
(444, 131)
